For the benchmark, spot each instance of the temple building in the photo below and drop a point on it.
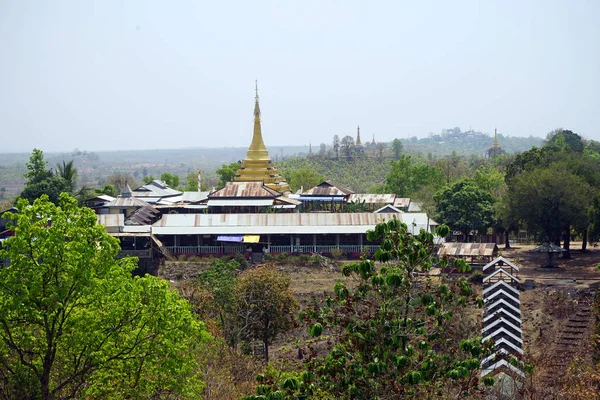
(496, 149)
(258, 167)
(358, 146)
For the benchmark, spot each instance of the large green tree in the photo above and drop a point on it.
(75, 323)
(41, 180)
(304, 178)
(226, 173)
(551, 201)
(465, 207)
(408, 175)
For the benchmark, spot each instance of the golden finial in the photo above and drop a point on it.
(496, 144)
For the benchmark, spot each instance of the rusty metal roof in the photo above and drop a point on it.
(372, 198)
(112, 222)
(187, 224)
(245, 189)
(121, 202)
(143, 216)
(401, 202)
(468, 249)
(328, 188)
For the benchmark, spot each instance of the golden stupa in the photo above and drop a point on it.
(258, 166)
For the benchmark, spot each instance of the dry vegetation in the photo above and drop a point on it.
(560, 296)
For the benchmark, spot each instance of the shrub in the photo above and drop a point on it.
(476, 277)
(336, 253)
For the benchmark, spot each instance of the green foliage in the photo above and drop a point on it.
(397, 148)
(172, 180)
(41, 180)
(388, 334)
(303, 178)
(551, 200)
(68, 172)
(408, 175)
(108, 190)
(75, 323)
(265, 305)
(359, 174)
(226, 173)
(465, 207)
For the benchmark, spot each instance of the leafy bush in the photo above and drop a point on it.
(476, 277)
(336, 253)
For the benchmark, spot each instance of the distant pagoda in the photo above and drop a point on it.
(496, 149)
(258, 166)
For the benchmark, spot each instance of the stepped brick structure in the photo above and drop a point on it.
(502, 320)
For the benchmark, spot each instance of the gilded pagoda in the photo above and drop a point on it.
(496, 149)
(258, 166)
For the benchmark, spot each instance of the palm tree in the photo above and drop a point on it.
(68, 172)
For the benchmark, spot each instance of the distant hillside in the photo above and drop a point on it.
(467, 143)
(94, 167)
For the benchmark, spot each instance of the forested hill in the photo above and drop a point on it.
(362, 175)
(467, 143)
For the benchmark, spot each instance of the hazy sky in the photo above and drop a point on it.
(99, 75)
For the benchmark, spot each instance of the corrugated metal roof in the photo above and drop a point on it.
(142, 216)
(245, 189)
(239, 202)
(372, 198)
(401, 202)
(186, 224)
(121, 202)
(468, 249)
(155, 188)
(414, 206)
(194, 197)
(287, 200)
(328, 188)
(112, 222)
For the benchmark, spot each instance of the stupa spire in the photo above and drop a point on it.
(257, 149)
(496, 144)
(358, 143)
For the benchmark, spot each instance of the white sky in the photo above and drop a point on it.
(102, 75)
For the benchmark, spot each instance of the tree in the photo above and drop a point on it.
(322, 150)
(265, 305)
(121, 179)
(108, 189)
(148, 178)
(397, 148)
(68, 172)
(381, 149)
(212, 296)
(562, 139)
(74, 322)
(551, 201)
(41, 180)
(466, 207)
(227, 172)
(304, 178)
(172, 180)
(347, 147)
(336, 146)
(488, 178)
(390, 334)
(409, 175)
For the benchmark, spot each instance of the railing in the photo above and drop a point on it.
(177, 250)
(135, 253)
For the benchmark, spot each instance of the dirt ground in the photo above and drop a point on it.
(557, 320)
